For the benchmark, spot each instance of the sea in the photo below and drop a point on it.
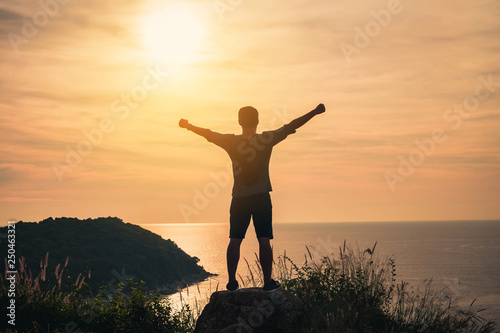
(462, 258)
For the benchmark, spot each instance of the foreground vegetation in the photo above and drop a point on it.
(54, 302)
(349, 292)
(356, 292)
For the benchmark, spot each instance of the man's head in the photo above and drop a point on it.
(248, 116)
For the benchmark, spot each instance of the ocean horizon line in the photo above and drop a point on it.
(328, 222)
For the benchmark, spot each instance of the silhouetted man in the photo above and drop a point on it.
(250, 154)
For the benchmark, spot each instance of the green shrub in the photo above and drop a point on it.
(348, 294)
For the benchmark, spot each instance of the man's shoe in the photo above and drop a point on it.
(232, 285)
(271, 286)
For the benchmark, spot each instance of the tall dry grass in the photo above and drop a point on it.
(354, 290)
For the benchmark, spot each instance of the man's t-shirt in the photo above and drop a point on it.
(250, 158)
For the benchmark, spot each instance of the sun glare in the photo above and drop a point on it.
(173, 35)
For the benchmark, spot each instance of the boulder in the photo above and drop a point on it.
(251, 310)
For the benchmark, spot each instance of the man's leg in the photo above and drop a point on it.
(266, 257)
(233, 256)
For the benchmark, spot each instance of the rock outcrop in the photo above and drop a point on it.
(251, 310)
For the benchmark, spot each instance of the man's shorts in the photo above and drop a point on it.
(259, 208)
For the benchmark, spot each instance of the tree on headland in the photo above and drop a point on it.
(109, 248)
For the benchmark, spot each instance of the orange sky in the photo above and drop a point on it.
(92, 91)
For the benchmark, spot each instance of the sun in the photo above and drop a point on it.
(173, 35)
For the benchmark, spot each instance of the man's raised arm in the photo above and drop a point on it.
(198, 130)
(305, 118)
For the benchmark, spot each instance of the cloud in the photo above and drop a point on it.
(9, 15)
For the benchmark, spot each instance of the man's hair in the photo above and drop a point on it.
(248, 116)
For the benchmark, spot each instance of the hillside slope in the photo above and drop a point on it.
(111, 249)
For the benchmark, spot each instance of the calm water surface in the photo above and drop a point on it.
(462, 257)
